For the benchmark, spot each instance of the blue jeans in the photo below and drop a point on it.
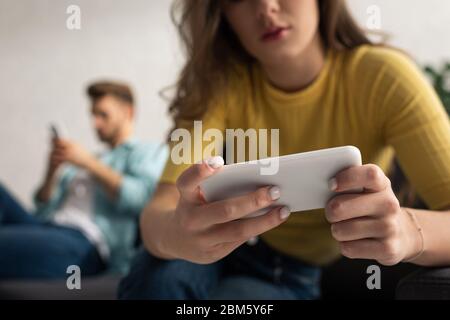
(33, 249)
(251, 272)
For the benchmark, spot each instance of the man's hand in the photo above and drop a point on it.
(75, 154)
(71, 152)
(55, 161)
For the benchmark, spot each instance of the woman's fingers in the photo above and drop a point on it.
(239, 207)
(243, 230)
(351, 206)
(366, 225)
(189, 182)
(363, 228)
(368, 177)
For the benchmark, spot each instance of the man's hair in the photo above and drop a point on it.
(117, 90)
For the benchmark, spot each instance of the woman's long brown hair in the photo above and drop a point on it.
(212, 50)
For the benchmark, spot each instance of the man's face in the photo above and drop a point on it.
(110, 116)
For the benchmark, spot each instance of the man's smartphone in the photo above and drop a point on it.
(56, 131)
(303, 178)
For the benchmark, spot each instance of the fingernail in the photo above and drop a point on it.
(253, 241)
(332, 184)
(285, 212)
(275, 193)
(215, 162)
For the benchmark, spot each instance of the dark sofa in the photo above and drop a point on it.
(346, 279)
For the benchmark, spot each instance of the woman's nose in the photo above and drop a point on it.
(266, 9)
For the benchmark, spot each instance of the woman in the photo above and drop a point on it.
(302, 66)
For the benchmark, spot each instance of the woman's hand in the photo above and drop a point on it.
(203, 232)
(371, 225)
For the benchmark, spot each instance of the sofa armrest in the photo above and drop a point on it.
(425, 284)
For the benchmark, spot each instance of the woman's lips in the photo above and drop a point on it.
(275, 34)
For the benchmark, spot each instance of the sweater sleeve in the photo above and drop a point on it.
(412, 119)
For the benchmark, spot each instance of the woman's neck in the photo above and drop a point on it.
(297, 73)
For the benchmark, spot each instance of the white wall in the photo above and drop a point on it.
(44, 67)
(421, 27)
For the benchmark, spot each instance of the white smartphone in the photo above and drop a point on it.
(303, 178)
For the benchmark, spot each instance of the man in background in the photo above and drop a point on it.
(87, 207)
